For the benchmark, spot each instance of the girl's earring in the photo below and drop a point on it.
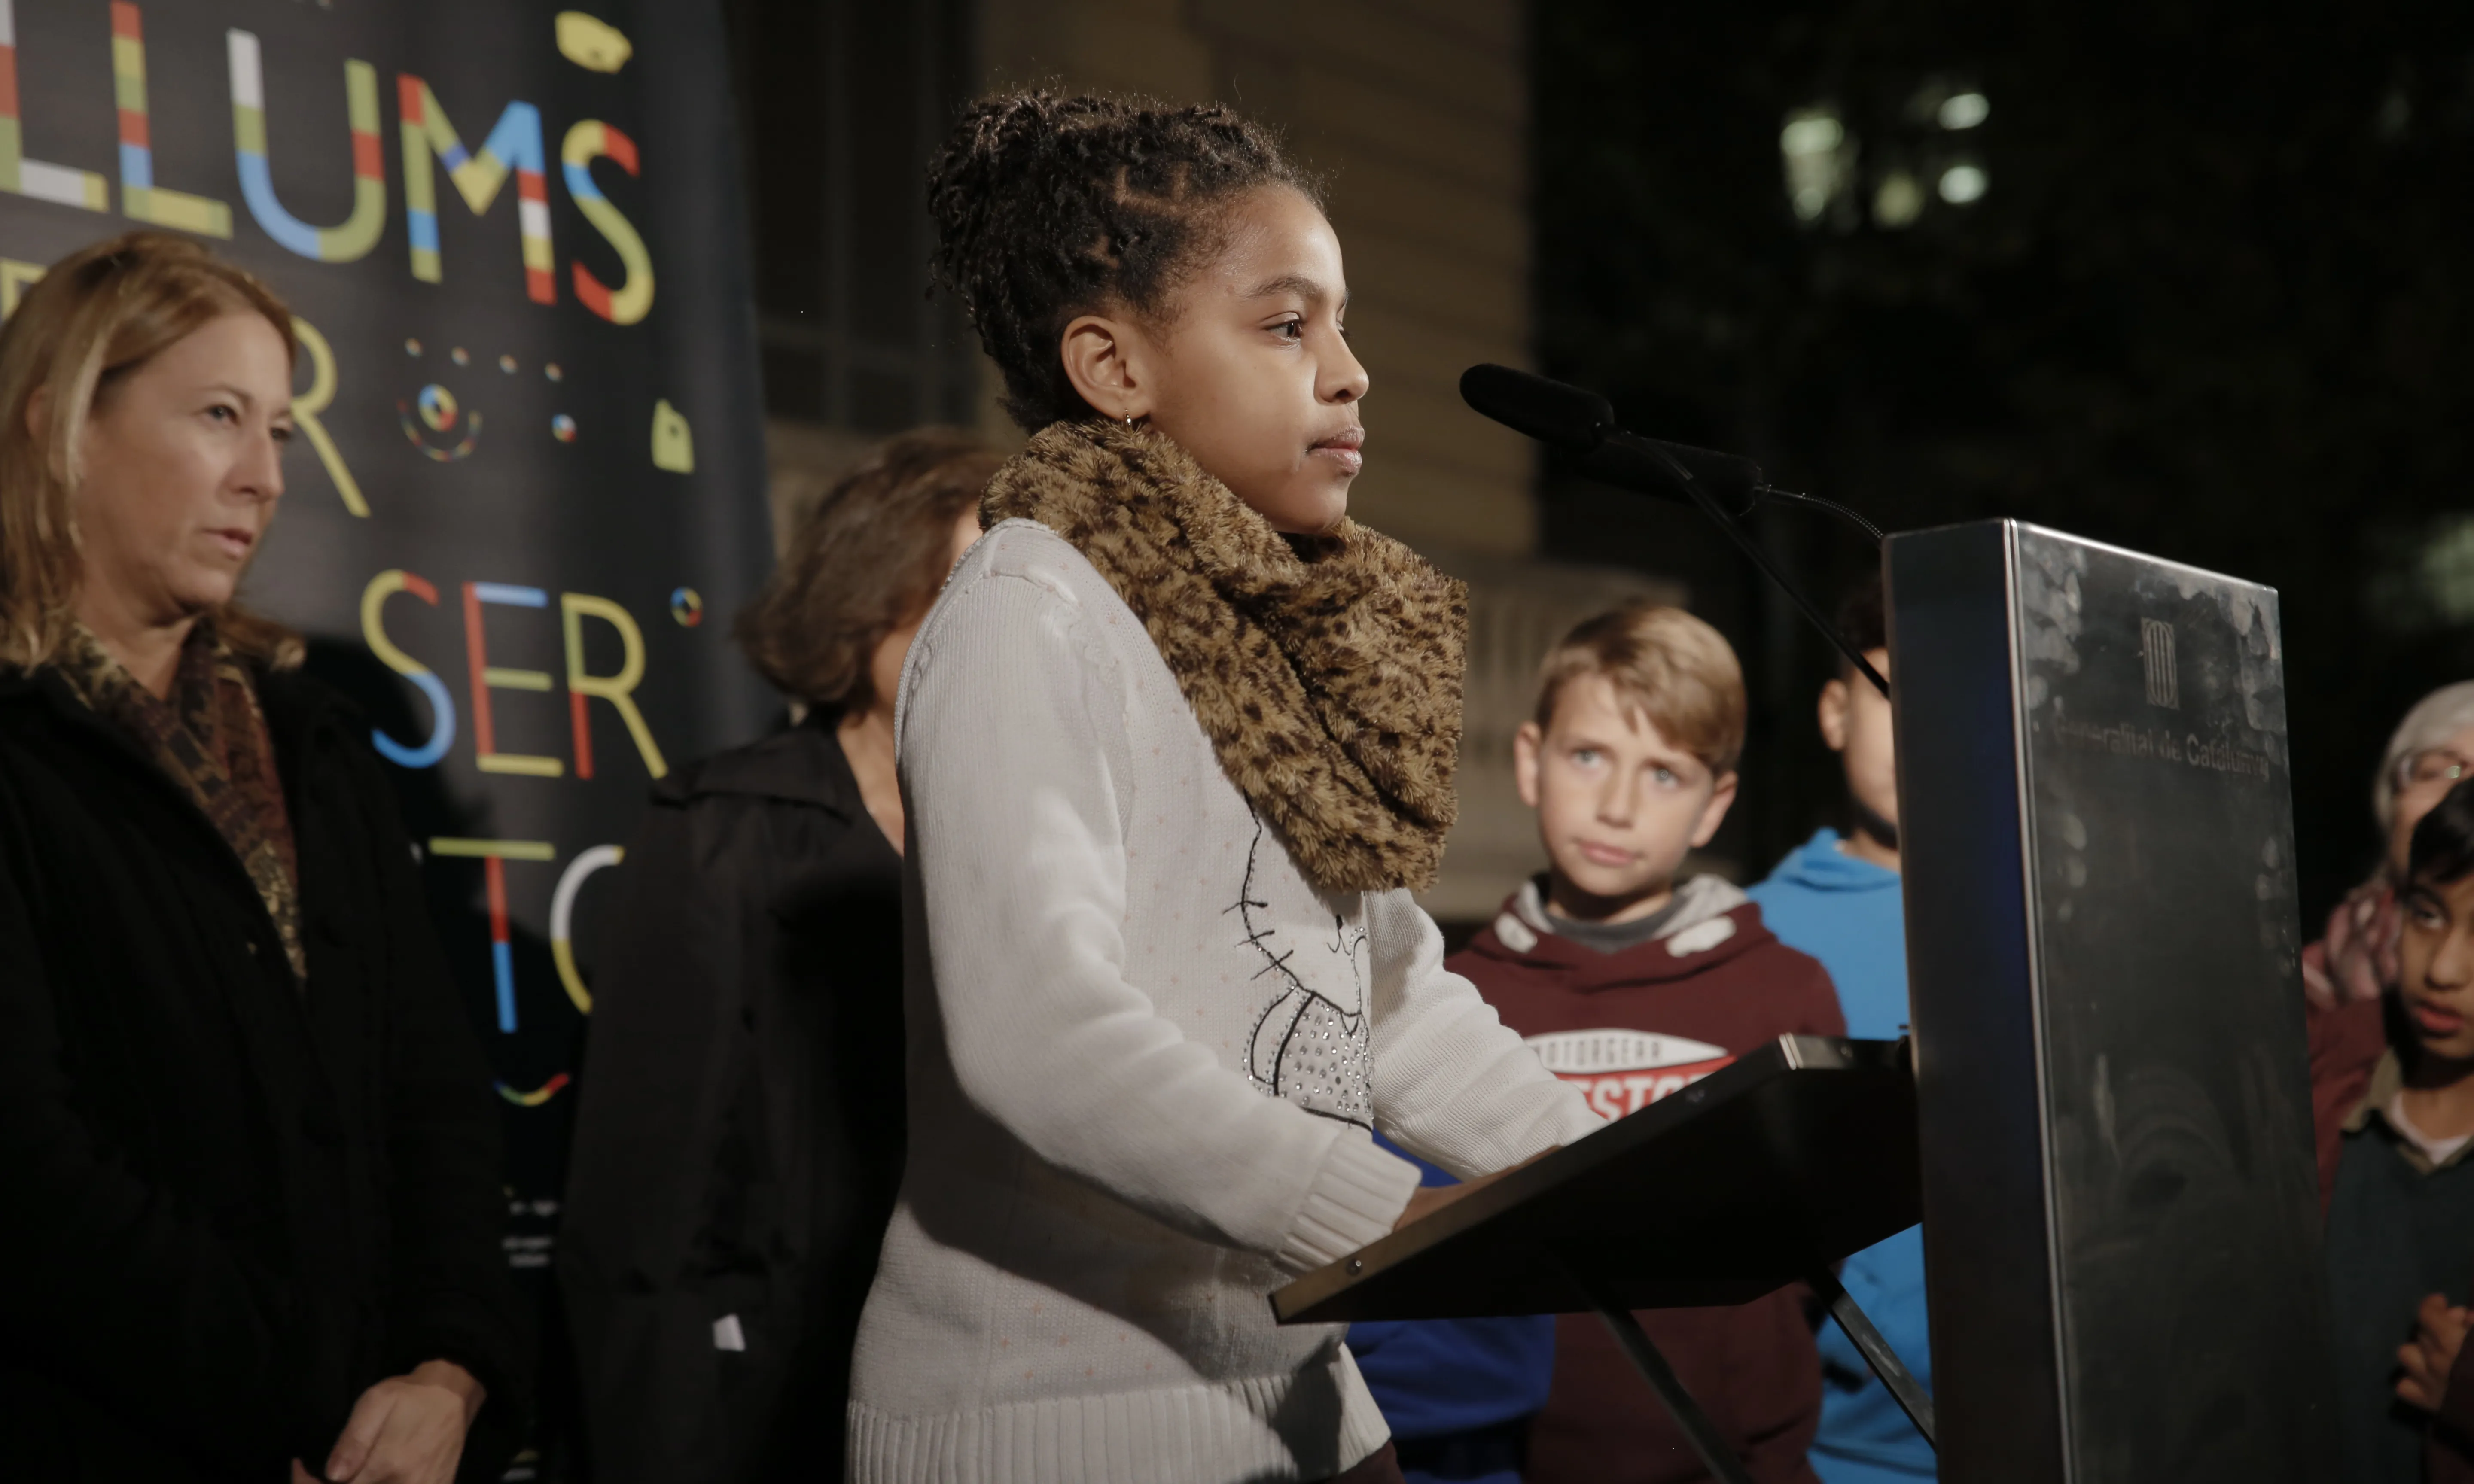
(1129, 419)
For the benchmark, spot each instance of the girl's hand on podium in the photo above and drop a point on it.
(1426, 1200)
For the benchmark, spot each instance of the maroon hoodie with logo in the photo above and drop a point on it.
(1630, 1027)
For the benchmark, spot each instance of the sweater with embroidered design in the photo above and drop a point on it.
(1146, 1058)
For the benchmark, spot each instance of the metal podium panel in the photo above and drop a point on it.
(1753, 1177)
(2120, 1208)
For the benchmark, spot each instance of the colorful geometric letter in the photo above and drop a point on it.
(586, 142)
(33, 177)
(326, 245)
(514, 142)
(140, 198)
(617, 689)
(487, 677)
(494, 855)
(442, 706)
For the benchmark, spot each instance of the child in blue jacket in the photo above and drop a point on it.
(1837, 897)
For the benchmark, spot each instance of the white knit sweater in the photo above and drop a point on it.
(1143, 1054)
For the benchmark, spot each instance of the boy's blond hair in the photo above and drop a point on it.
(1681, 673)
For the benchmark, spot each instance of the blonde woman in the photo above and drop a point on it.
(250, 1154)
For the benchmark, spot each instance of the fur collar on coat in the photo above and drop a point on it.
(1327, 673)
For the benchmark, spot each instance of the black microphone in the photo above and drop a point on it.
(1725, 487)
(1582, 424)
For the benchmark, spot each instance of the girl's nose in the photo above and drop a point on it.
(1345, 379)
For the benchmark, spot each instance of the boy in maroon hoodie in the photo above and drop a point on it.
(1635, 981)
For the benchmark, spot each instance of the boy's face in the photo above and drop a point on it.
(1618, 805)
(2438, 950)
(1855, 724)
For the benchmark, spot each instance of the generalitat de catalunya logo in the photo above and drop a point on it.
(1624, 1071)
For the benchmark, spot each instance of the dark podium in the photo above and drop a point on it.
(1794, 1157)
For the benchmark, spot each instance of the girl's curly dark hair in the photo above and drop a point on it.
(1047, 207)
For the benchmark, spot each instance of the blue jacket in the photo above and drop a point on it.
(1436, 1378)
(1846, 913)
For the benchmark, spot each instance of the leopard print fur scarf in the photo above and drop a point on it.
(1326, 672)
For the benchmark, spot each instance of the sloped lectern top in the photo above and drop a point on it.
(1790, 1159)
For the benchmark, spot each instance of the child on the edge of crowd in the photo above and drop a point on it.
(1633, 981)
(1177, 743)
(2400, 1235)
(1837, 897)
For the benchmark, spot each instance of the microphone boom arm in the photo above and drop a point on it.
(1582, 424)
(1725, 522)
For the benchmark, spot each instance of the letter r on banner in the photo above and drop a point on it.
(616, 689)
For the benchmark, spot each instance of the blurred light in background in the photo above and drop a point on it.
(1961, 184)
(1899, 200)
(1818, 157)
(2425, 577)
(1962, 111)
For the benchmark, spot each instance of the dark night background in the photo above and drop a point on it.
(2210, 305)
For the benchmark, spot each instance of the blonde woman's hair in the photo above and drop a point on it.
(1681, 673)
(97, 314)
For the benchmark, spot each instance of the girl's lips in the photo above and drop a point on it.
(1345, 449)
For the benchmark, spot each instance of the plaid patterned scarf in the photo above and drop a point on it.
(211, 738)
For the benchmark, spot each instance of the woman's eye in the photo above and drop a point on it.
(1293, 329)
(223, 412)
(281, 435)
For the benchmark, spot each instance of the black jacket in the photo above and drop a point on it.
(738, 1131)
(234, 1203)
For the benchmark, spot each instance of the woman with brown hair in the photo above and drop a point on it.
(740, 1121)
(252, 1161)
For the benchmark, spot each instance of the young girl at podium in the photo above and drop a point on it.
(1177, 742)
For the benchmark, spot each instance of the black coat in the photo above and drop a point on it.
(233, 1203)
(738, 1130)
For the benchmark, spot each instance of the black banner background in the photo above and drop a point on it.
(487, 509)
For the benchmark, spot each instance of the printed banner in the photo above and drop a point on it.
(529, 493)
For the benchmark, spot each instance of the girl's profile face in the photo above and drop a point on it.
(1253, 374)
